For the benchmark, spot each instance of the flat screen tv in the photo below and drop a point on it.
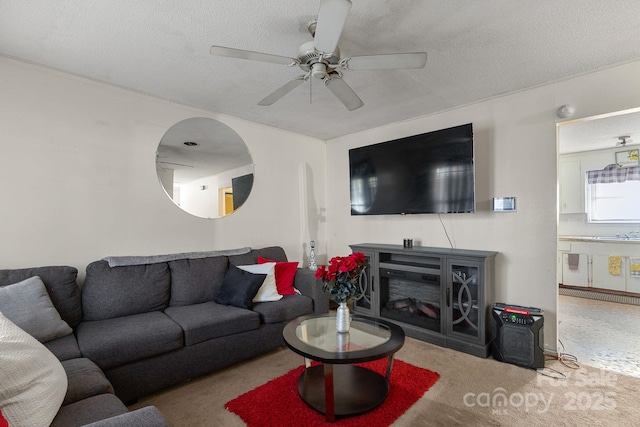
(428, 173)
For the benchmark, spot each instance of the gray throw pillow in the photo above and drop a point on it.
(27, 304)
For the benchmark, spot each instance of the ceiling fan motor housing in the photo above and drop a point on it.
(308, 56)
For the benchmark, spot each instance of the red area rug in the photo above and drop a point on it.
(277, 402)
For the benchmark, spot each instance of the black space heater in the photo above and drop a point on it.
(519, 335)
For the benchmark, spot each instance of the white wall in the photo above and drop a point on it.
(77, 159)
(77, 163)
(516, 155)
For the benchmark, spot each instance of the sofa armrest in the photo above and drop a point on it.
(149, 416)
(306, 282)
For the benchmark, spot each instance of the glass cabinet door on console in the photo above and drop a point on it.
(466, 300)
(364, 302)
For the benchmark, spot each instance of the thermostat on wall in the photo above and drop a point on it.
(504, 204)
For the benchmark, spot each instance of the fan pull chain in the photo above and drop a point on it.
(310, 90)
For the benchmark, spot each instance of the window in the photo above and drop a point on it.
(613, 202)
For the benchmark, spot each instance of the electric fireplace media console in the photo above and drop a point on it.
(442, 296)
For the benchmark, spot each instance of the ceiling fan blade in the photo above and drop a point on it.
(331, 19)
(282, 91)
(344, 93)
(254, 56)
(392, 61)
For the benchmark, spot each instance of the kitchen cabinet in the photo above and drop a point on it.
(572, 187)
(578, 276)
(594, 269)
(602, 278)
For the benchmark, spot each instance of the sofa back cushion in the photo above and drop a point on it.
(110, 292)
(194, 281)
(61, 285)
(275, 253)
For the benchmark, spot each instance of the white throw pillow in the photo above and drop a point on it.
(268, 291)
(27, 304)
(33, 382)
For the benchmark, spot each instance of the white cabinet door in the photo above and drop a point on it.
(633, 283)
(578, 276)
(604, 275)
(571, 188)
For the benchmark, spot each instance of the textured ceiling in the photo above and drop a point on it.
(477, 49)
(599, 133)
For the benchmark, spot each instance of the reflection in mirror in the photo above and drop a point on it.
(204, 167)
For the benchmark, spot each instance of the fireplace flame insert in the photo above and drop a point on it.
(412, 297)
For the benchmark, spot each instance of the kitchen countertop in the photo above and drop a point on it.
(599, 239)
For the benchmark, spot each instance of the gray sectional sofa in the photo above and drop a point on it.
(154, 322)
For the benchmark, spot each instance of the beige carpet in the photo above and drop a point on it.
(462, 397)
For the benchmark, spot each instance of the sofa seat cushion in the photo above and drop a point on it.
(209, 320)
(64, 348)
(114, 342)
(89, 410)
(85, 380)
(149, 416)
(288, 308)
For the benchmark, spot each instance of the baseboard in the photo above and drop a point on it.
(600, 295)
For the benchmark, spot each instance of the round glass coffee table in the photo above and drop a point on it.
(336, 387)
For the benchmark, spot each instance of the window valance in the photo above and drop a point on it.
(612, 173)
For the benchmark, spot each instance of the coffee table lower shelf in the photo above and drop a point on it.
(355, 389)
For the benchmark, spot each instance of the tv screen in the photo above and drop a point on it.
(428, 173)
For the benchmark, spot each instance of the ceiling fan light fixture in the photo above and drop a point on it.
(319, 70)
(623, 140)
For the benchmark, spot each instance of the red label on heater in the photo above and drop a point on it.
(516, 311)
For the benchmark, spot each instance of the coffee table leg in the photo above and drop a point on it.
(389, 367)
(328, 393)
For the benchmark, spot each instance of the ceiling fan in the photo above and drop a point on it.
(320, 58)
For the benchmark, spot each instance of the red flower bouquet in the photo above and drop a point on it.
(342, 275)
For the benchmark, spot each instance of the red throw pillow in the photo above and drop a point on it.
(285, 273)
(3, 422)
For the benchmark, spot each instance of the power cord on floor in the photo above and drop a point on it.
(567, 359)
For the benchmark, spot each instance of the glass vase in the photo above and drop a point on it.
(343, 321)
(342, 342)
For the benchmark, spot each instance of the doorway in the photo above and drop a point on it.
(597, 284)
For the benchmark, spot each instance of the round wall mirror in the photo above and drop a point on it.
(204, 167)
